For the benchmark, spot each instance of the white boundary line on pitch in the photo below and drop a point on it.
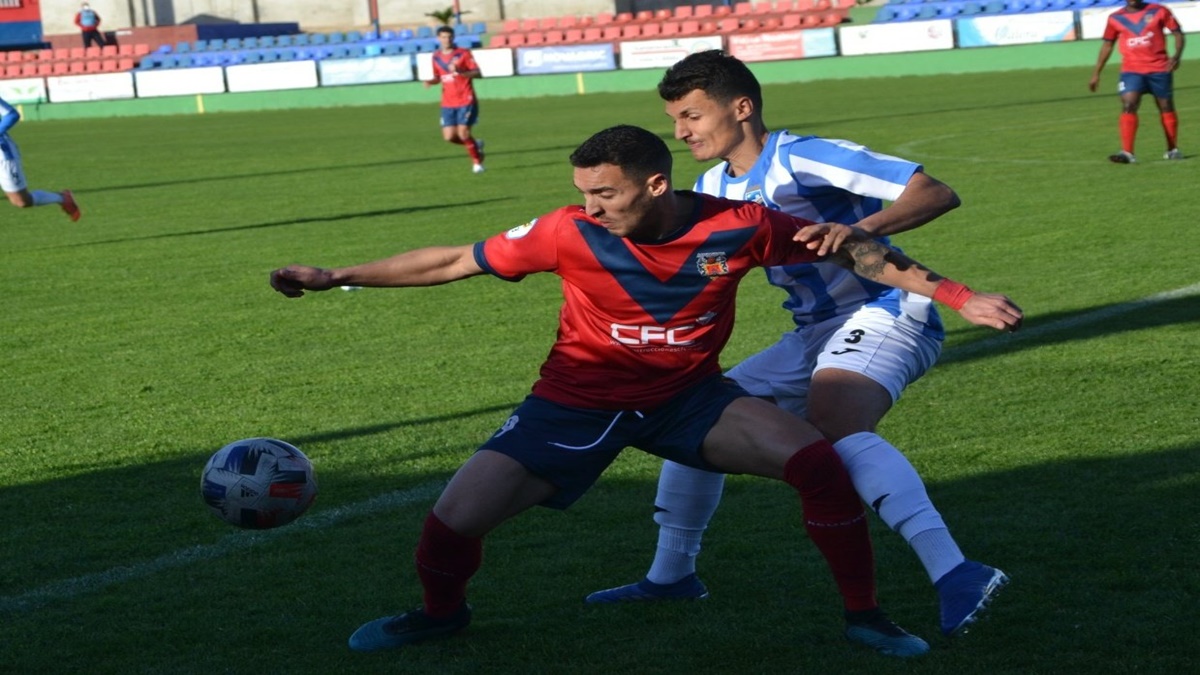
(70, 588)
(998, 341)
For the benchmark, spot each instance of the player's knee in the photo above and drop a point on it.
(20, 200)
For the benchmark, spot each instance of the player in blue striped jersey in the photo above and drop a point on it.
(856, 344)
(12, 172)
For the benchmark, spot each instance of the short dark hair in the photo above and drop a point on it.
(445, 29)
(720, 76)
(639, 153)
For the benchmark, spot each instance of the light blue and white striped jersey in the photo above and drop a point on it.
(825, 181)
(8, 117)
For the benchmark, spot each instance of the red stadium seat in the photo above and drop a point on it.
(652, 29)
(510, 26)
(671, 28)
(45, 68)
(793, 20)
(29, 69)
(771, 23)
(498, 40)
(125, 50)
(141, 49)
(743, 9)
(703, 11)
(529, 25)
(547, 23)
(108, 51)
(91, 66)
(761, 8)
(554, 37)
(91, 53)
(611, 33)
(12, 70)
(604, 18)
(631, 31)
(517, 39)
(60, 68)
(537, 37)
(684, 12)
(689, 27)
(573, 35)
(728, 24)
(593, 34)
(663, 15)
(76, 53)
(568, 21)
(125, 64)
(726, 10)
(708, 27)
(643, 16)
(108, 66)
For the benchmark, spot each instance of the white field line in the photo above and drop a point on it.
(240, 540)
(997, 342)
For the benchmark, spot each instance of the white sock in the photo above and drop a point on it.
(889, 484)
(41, 197)
(686, 501)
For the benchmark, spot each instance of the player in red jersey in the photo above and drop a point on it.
(649, 277)
(1139, 29)
(455, 67)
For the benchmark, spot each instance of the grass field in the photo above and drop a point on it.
(141, 339)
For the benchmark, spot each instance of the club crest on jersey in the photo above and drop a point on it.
(712, 264)
(520, 230)
(755, 194)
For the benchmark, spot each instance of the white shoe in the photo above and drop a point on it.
(351, 288)
(1122, 157)
(1173, 153)
(478, 168)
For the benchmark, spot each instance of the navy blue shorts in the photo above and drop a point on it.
(1158, 84)
(571, 447)
(466, 115)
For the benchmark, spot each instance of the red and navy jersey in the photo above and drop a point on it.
(641, 321)
(456, 91)
(1141, 37)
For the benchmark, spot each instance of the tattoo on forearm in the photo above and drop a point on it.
(871, 258)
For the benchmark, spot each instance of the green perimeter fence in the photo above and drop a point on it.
(956, 61)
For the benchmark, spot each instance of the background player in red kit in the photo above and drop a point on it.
(454, 68)
(649, 279)
(1139, 29)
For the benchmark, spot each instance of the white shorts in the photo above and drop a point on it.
(12, 176)
(893, 351)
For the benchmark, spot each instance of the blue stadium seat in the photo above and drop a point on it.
(318, 38)
(336, 37)
(388, 35)
(1060, 5)
(424, 32)
(354, 36)
(406, 34)
(283, 40)
(950, 9)
(301, 39)
(391, 48)
(410, 46)
(181, 47)
(150, 63)
(467, 41)
(204, 59)
(303, 54)
(971, 8)
(1014, 6)
(1035, 6)
(250, 43)
(233, 43)
(267, 41)
(478, 28)
(994, 7)
(355, 51)
(927, 12)
(252, 57)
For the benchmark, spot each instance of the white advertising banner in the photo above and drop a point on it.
(664, 53)
(1016, 29)
(892, 38)
(366, 71)
(1092, 20)
(28, 90)
(98, 87)
(492, 63)
(180, 81)
(272, 76)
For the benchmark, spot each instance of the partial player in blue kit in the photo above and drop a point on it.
(856, 345)
(12, 172)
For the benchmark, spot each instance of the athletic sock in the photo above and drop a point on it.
(42, 197)
(1170, 124)
(890, 485)
(1129, 126)
(473, 150)
(835, 521)
(446, 561)
(686, 501)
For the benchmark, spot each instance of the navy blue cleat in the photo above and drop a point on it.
(392, 632)
(965, 592)
(687, 588)
(873, 629)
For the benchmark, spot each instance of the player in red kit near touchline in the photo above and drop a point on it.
(454, 68)
(1139, 31)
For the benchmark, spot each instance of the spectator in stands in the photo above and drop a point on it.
(12, 175)
(454, 68)
(89, 25)
(1140, 28)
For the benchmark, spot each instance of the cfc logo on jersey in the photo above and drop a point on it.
(712, 264)
(520, 230)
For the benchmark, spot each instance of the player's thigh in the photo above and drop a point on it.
(12, 177)
(487, 490)
(756, 437)
(893, 351)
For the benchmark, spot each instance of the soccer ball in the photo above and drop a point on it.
(258, 483)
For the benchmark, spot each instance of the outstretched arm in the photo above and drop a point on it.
(420, 267)
(872, 260)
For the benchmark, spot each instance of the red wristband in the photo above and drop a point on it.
(952, 294)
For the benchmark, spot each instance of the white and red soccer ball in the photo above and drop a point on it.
(258, 483)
